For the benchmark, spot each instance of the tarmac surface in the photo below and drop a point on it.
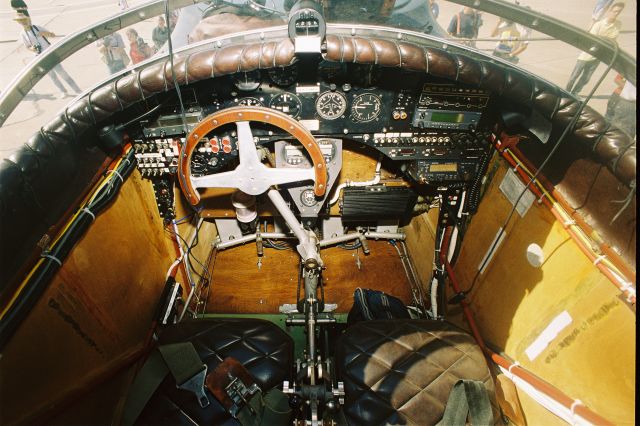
(550, 59)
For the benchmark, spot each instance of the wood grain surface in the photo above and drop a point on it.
(238, 286)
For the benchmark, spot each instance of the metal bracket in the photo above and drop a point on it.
(240, 394)
(196, 385)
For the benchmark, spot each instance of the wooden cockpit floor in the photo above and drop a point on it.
(238, 286)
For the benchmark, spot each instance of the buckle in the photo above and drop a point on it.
(233, 386)
(196, 385)
(240, 394)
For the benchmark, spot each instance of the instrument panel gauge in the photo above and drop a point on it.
(308, 198)
(247, 81)
(366, 107)
(288, 103)
(250, 102)
(284, 76)
(331, 105)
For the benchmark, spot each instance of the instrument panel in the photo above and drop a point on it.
(437, 131)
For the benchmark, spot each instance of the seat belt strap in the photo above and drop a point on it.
(467, 397)
(145, 384)
(179, 359)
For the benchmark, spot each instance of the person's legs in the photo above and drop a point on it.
(67, 78)
(577, 70)
(53, 75)
(115, 66)
(587, 71)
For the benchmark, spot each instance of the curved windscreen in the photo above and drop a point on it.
(27, 42)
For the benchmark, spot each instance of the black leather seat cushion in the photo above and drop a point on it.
(401, 371)
(261, 346)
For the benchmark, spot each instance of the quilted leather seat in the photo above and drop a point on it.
(401, 371)
(261, 346)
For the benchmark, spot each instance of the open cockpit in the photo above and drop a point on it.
(318, 223)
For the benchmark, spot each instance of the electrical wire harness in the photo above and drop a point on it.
(52, 258)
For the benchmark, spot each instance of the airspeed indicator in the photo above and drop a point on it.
(366, 107)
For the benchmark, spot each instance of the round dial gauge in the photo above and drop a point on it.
(284, 76)
(287, 103)
(331, 105)
(308, 198)
(250, 102)
(366, 107)
(247, 81)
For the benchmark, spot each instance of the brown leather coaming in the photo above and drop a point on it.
(611, 147)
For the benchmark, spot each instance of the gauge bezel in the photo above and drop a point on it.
(327, 94)
(254, 85)
(297, 100)
(290, 74)
(355, 102)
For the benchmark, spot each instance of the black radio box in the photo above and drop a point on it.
(371, 203)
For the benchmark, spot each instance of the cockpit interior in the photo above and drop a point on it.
(318, 223)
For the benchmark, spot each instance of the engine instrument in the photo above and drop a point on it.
(288, 103)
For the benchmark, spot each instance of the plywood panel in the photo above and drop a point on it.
(421, 245)
(593, 359)
(239, 286)
(98, 307)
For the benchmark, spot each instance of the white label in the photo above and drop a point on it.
(554, 328)
(311, 125)
(512, 187)
(308, 89)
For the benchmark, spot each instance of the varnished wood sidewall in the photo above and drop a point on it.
(96, 313)
(593, 358)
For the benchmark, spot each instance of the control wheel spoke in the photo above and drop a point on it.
(280, 176)
(246, 145)
(218, 180)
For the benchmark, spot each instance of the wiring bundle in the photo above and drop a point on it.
(51, 259)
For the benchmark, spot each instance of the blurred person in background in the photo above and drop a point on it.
(466, 24)
(36, 39)
(608, 27)
(624, 111)
(599, 10)
(20, 7)
(138, 49)
(160, 33)
(435, 8)
(112, 52)
(619, 80)
(514, 39)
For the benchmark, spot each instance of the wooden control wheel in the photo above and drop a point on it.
(251, 176)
